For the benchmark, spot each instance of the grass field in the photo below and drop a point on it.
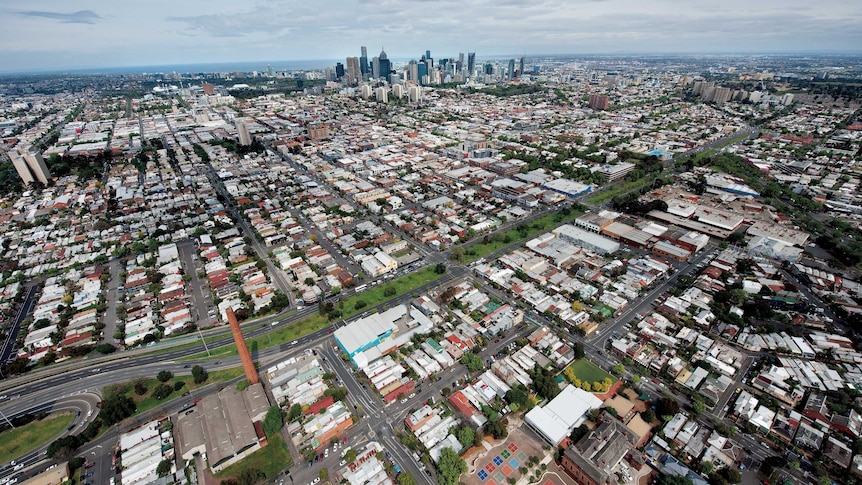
(620, 189)
(24, 439)
(147, 401)
(498, 241)
(271, 459)
(313, 323)
(589, 372)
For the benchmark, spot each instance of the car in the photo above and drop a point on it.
(316, 479)
(88, 475)
(90, 464)
(412, 395)
(187, 366)
(342, 463)
(403, 400)
(326, 453)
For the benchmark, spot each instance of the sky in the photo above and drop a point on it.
(65, 34)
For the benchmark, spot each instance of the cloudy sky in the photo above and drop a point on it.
(61, 34)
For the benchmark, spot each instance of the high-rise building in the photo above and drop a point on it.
(244, 135)
(422, 72)
(471, 63)
(599, 101)
(489, 68)
(397, 91)
(385, 65)
(353, 71)
(511, 73)
(459, 66)
(415, 94)
(413, 70)
(363, 62)
(375, 67)
(381, 94)
(339, 70)
(521, 70)
(30, 165)
(429, 59)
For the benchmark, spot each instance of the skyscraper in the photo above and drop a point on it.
(422, 71)
(413, 70)
(511, 69)
(339, 70)
(428, 59)
(385, 65)
(363, 62)
(30, 165)
(471, 63)
(521, 71)
(353, 70)
(459, 66)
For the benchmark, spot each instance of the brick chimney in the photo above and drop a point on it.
(242, 348)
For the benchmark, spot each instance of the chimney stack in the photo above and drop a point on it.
(242, 348)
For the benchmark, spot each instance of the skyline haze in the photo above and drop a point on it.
(52, 35)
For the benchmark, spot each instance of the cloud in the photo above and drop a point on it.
(79, 17)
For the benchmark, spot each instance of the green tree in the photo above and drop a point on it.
(450, 467)
(200, 374)
(273, 421)
(406, 479)
(164, 376)
(323, 473)
(706, 467)
(295, 412)
(618, 369)
(465, 435)
(162, 391)
(648, 415)
(389, 291)
(667, 479)
(105, 348)
(251, 476)
(440, 268)
(496, 428)
(163, 468)
(350, 456)
(472, 361)
(115, 408)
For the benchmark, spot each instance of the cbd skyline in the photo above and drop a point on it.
(49, 34)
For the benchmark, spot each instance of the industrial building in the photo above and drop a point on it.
(226, 426)
(586, 239)
(564, 413)
(368, 338)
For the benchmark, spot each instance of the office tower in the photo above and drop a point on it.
(375, 67)
(30, 165)
(422, 72)
(599, 101)
(339, 70)
(353, 72)
(459, 66)
(489, 68)
(471, 63)
(244, 135)
(363, 62)
(385, 65)
(511, 69)
(429, 59)
(412, 70)
(242, 348)
(521, 71)
(415, 94)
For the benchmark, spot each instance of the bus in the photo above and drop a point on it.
(361, 288)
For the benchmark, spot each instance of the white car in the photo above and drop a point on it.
(326, 453)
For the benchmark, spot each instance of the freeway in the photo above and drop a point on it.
(12, 336)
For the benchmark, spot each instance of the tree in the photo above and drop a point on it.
(323, 473)
(309, 281)
(140, 386)
(618, 369)
(406, 479)
(105, 348)
(496, 428)
(667, 479)
(389, 291)
(440, 268)
(179, 385)
(706, 467)
(295, 412)
(200, 374)
(164, 468)
(450, 467)
(162, 391)
(76, 463)
(164, 376)
(273, 421)
(648, 416)
(666, 407)
(516, 396)
(465, 435)
(350, 456)
(115, 408)
(472, 361)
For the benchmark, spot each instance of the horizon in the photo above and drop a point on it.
(50, 36)
(330, 62)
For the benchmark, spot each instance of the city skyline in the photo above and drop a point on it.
(51, 35)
